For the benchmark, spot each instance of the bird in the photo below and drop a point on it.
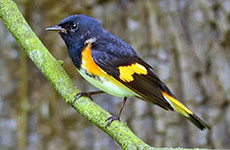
(114, 67)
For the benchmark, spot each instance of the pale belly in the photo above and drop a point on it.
(110, 86)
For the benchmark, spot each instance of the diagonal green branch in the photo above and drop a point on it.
(54, 72)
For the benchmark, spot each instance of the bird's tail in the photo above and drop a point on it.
(182, 109)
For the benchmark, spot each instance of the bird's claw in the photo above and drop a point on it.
(111, 119)
(87, 94)
(79, 95)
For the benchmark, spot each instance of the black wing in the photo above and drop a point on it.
(110, 54)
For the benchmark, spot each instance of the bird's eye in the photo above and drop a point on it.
(74, 26)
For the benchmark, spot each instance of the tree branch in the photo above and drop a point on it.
(54, 72)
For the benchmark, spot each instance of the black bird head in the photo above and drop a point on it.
(77, 28)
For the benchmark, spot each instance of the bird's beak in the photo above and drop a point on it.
(56, 28)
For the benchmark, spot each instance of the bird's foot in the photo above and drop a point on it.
(86, 94)
(111, 119)
(79, 95)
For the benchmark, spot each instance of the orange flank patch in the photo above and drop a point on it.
(177, 104)
(103, 81)
(87, 62)
(126, 72)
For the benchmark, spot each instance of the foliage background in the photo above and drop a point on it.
(187, 42)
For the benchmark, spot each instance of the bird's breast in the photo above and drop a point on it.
(90, 71)
(88, 63)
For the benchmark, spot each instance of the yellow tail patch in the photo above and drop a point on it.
(126, 72)
(177, 105)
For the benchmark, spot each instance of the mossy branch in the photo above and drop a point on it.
(54, 72)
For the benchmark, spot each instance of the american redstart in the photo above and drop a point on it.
(112, 65)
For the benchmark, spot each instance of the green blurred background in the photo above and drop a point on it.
(187, 42)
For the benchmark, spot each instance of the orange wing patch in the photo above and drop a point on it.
(87, 62)
(126, 72)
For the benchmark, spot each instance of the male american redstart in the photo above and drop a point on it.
(112, 65)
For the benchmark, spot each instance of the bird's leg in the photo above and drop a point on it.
(116, 117)
(87, 94)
